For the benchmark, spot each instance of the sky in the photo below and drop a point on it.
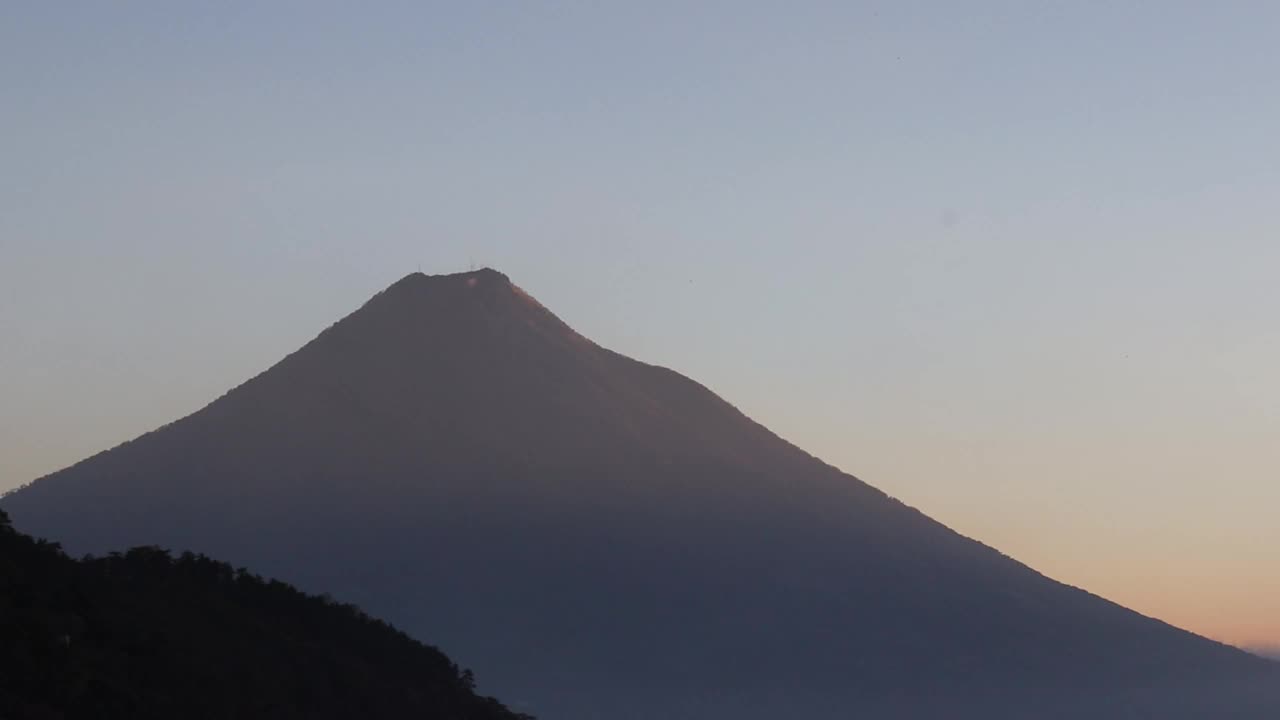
(1014, 263)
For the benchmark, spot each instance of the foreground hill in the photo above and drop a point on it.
(143, 635)
(602, 538)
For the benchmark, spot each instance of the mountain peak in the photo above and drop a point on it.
(423, 286)
(457, 305)
(470, 277)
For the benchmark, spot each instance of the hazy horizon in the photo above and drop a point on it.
(1013, 266)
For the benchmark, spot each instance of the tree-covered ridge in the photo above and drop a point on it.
(142, 634)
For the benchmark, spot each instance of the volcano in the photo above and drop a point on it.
(602, 538)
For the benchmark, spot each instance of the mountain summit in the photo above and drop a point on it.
(602, 538)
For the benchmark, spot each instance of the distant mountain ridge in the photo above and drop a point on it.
(600, 537)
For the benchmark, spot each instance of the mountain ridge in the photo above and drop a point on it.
(142, 634)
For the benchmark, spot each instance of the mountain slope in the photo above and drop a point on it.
(601, 537)
(143, 635)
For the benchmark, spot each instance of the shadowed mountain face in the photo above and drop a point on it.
(598, 537)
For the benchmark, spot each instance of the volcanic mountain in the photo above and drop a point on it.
(602, 538)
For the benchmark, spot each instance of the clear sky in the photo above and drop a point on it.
(1013, 262)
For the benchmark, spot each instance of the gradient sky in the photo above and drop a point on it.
(1014, 263)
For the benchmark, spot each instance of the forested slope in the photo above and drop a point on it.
(145, 635)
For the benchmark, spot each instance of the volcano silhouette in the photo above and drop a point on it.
(602, 538)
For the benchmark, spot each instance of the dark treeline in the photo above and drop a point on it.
(142, 634)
